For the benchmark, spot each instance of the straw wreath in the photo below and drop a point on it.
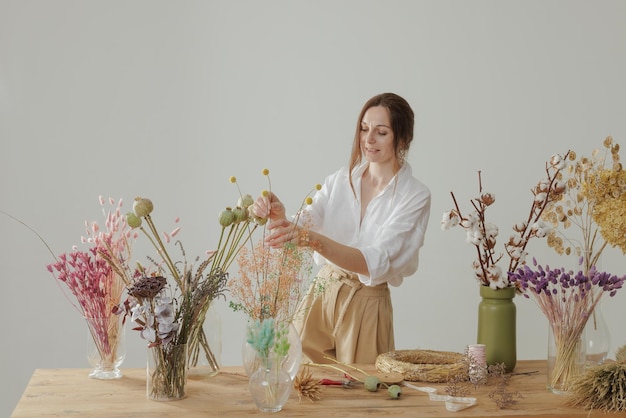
(423, 365)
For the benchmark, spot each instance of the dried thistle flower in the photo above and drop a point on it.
(306, 386)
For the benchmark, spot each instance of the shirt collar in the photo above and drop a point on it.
(404, 172)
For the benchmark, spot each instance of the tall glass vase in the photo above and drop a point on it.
(566, 357)
(597, 337)
(166, 373)
(205, 345)
(106, 349)
(497, 326)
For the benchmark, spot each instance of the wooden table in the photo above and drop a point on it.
(71, 393)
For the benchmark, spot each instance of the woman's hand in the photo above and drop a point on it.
(269, 206)
(281, 232)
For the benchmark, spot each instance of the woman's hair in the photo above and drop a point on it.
(402, 123)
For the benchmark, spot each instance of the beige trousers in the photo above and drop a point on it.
(343, 319)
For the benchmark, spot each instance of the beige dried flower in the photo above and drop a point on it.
(307, 386)
(595, 202)
(600, 387)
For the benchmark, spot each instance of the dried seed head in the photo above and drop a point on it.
(133, 220)
(372, 383)
(142, 206)
(147, 287)
(307, 386)
(394, 391)
(245, 201)
(226, 217)
(487, 198)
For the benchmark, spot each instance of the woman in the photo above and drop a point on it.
(367, 224)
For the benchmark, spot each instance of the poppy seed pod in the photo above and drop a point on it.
(226, 217)
(245, 201)
(394, 391)
(142, 206)
(239, 215)
(133, 220)
(371, 383)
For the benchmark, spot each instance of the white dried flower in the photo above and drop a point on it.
(449, 220)
(541, 197)
(557, 162)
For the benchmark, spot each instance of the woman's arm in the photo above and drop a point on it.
(348, 258)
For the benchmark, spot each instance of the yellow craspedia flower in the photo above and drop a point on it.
(265, 193)
(233, 179)
(309, 200)
(266, 172)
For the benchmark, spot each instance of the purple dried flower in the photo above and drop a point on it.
(572, 308)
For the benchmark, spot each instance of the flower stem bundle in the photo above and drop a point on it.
(92, 276)
(595, 203)
(567, 299)
(272, 281)
(482, 234)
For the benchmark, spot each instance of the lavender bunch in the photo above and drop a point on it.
(564, 296)
(567, 299)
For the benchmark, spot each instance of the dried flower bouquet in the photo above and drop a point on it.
(482, 234)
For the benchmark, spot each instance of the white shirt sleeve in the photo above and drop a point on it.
(392, 230)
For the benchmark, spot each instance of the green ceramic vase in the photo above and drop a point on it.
(497, 326)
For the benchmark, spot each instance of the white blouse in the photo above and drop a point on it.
(393, 227)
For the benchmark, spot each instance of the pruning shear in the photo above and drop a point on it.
(349, 382)
(346, 382)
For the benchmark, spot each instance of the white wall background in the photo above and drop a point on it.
(169, 99)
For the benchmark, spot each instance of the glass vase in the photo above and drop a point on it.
(566, 357)
(497, 326)
(106, 349)
(270, 385)
(597, 337)
(205, 345)
(291, 364)
(166, 373)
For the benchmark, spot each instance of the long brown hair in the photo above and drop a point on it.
(402, 124)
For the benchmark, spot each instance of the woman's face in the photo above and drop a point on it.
(377, 141)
